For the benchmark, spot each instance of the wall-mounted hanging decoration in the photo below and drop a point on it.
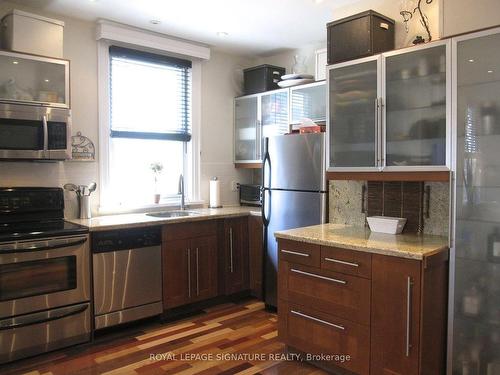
(408, 10)
(82, 148)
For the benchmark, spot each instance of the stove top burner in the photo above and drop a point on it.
(38, 229)
(32, 213)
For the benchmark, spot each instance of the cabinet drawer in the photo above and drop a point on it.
(346, 261)
(347, 297)
(299, 252)
(179, 231)
(315, 332)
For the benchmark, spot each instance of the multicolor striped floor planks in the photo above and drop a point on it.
(233, 338)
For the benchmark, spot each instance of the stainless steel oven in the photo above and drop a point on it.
(44, 295)
(43, 274)
(31, 132)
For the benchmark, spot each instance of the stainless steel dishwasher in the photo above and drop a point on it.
(127, 275)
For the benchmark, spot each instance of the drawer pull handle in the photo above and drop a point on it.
(342, 262)
(409, 289)
(295, 253)
(317, 320)
(319, 276)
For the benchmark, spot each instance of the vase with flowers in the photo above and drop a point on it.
(157, 168)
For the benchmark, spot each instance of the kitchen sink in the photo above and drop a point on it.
(172, 213)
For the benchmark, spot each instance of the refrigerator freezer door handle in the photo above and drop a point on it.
(266, 161)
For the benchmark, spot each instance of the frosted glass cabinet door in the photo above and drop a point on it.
(416, 107)
(274, 113)
(353, 116)
(32, 79)
(308, 102)
(476, 321)
(246, 129)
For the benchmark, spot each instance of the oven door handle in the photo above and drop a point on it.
(40, 248)
(64, 314)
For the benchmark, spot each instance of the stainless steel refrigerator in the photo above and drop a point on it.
(294, 194)
(475, 269)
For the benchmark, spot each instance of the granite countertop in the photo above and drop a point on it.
(121, 221)
(409, 246)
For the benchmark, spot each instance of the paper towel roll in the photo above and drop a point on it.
(215, 193)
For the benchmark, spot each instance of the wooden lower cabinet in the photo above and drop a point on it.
(204, 268)
(342, 343)
(189, 263)
(409, 315)
(256, 254)
(347, 296)
(176, 273)
(388, 313)
(236, 267)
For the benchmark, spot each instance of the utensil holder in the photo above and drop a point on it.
(84, 203)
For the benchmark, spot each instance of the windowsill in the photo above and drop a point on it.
(163, 206)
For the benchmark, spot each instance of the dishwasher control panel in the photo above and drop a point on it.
(124, 239)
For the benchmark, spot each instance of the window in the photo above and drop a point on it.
(150, 123)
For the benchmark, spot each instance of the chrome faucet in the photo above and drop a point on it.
(181, 192)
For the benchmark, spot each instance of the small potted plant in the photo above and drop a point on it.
(157, 168)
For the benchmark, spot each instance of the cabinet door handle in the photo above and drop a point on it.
(377, 134)
(231, 249)
(189, 272)
(381, 130)
(342, 262)
(197, 274)
(295, 253)
(319, 276)
(317, 320)
(409, 290)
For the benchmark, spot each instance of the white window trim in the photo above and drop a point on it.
(192, 180)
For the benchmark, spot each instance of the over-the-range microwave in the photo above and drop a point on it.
(32, 132)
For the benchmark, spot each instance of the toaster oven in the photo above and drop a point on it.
(250, 195)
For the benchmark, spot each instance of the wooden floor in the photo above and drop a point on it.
(201, 344)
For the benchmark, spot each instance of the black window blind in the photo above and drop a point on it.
(150, 95)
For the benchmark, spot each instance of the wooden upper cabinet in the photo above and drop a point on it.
(236, 272)
(395, 316)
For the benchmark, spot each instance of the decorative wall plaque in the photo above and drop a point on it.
(82, 147)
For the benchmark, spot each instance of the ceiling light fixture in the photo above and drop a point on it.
(222, 34)
(471, 60)
(46, 80)
(15, 62)
(490, 71)
(155, 22)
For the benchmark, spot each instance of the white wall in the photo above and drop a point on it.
(219, 87)
(389, 8)
(461, 16)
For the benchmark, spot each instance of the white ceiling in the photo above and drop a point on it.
(254, 26)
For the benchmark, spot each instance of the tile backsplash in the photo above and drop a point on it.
(346, 205)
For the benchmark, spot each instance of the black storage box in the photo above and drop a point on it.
(361, 35)
(262, 78)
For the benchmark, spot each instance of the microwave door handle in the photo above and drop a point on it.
(45, 135)
(40, 248)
